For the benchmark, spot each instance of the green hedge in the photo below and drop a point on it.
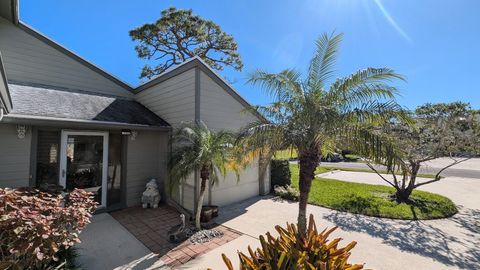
(279, 173)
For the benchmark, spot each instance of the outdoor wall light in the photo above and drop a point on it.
(126, 132)
(131, 133)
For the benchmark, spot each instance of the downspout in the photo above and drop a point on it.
(1, 114)
(196, 175)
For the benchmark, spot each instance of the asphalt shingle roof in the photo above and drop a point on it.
(47, 102)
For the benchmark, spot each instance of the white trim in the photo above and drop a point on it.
(168, 70)
(63, 159)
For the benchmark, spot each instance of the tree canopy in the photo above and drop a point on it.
(438, 130)
(179, 35)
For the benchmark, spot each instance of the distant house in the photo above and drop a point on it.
(66, 121)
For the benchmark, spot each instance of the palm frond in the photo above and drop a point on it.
(322, 64)
(376, 112)
(258, 135)
(195, 146)
(280, 86)
(376, 147)
(274, 112)
(364, 85)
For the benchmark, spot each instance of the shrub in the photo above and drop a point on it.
(292, 250)
(279, 173)
(287, 192)
(351, 158)
(36, 227)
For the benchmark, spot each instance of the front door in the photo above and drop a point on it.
(84, 162)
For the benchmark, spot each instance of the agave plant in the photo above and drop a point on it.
(293, 250)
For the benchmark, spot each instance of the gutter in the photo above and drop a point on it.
(56, 121)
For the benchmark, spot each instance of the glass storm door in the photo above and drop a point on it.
(84, 162)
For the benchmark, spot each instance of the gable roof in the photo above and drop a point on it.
(9, 10)
(59, 105)
(188, 64)
(31, 31)
(197, 62)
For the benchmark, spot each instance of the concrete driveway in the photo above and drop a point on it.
(452, 243)
(106, 244)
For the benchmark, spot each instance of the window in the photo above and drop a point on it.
(47, 157)
(114, 182)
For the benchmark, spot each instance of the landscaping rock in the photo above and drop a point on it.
(204, 236)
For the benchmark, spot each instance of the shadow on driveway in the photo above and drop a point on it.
(452, 243)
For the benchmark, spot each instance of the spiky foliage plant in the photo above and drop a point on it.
(293, 250)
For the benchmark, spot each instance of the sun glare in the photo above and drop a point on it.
(392, 21)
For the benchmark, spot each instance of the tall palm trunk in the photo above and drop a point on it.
(204, 176)
(308, 161)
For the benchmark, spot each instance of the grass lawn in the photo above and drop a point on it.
(373, 200)
(286, 154)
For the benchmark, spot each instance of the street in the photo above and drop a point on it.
(469, 169)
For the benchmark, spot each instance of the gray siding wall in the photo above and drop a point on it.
(230, 190)
(172, 99)
(28, 59)
(146, 159)
(218, 109)
(14, 157)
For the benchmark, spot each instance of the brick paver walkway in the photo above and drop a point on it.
(150, 226)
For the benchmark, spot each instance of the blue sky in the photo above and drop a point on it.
(434, 43)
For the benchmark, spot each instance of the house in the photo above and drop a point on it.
(66, 121)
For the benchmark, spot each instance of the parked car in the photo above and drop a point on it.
(332, 157)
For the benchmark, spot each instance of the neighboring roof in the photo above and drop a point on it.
(5, 98)
(199, 63)
(39, 102)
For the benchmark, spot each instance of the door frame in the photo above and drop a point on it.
(63, 159)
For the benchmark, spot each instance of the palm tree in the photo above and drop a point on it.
(308, 116)
(195, 147)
